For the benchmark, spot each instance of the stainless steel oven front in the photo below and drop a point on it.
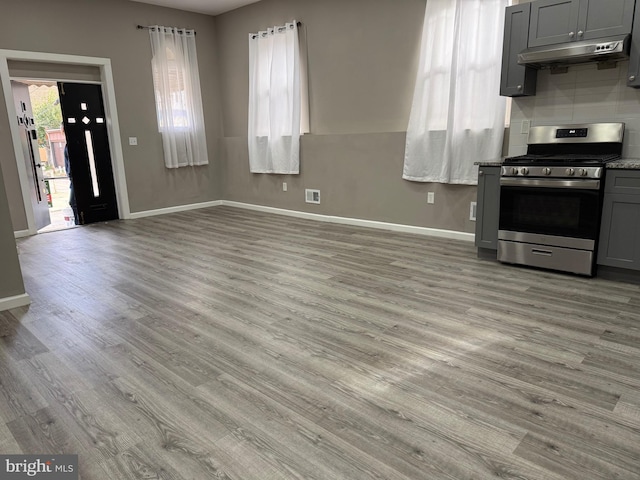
(550, 222)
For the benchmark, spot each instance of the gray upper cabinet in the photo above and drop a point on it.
(604, 18)
(553, 21)
(633, 78)
(561, 21)
(516, 80)
(550, 22)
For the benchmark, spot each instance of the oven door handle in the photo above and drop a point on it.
(550, 183)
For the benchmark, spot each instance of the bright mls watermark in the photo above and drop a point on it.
(48, 467)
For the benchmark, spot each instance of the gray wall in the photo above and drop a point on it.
(100, 28)
(362, 61)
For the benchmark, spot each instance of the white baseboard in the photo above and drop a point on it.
(432, 232)
(21, 233)
(179, 208)
(14, 302)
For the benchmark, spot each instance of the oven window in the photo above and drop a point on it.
(564, 213)
(546, 211)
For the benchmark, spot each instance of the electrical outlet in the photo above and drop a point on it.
(524, 126)
(284, 186)
(133, 141)
(473, 208)
(431, 197)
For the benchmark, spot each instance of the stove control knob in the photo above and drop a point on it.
(546, 171)
(524, 171)
(514, 171)
(583, 172)
(571, 172)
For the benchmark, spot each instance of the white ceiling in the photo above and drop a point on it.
(209, 7)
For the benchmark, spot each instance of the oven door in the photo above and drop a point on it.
(550, 223)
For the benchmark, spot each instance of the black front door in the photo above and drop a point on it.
(88, 146)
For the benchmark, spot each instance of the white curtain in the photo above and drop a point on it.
(274, 100)
(457, 115)
(176, 82)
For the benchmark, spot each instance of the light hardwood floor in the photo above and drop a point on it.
(221, 343)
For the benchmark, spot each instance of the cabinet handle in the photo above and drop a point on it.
(480, 173)
(571, 34)
(632, 78)
(580, 33)
(519, 87)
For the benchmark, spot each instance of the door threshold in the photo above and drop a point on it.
(56, 228)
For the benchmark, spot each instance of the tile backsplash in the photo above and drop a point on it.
(582, 95)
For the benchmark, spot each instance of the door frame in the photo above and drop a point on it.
(111, 113)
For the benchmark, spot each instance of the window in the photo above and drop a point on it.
(457, 116)
(277, 100)
(176, 81)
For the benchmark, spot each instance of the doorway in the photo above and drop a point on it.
(66, 150)
(48, 66)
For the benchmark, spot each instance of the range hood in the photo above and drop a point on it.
(597, 50)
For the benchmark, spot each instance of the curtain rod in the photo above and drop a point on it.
(255, 35)
(142, 27)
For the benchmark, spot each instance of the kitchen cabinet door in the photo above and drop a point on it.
(620, 229)
(553, 21)
(633, 76)
(620, 232)
(561, 21)
(488, 208)
(517, 80)
(604, 18)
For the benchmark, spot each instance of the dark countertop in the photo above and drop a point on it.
(625, 163)
(496, 163)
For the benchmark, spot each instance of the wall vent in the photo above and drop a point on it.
(312, 196)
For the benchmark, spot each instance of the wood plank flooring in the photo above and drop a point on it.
(221, 343)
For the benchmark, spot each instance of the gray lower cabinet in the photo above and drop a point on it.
(517, 80)
(620, 230)
(488, 207)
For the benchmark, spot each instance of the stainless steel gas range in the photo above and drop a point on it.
(551, 198)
